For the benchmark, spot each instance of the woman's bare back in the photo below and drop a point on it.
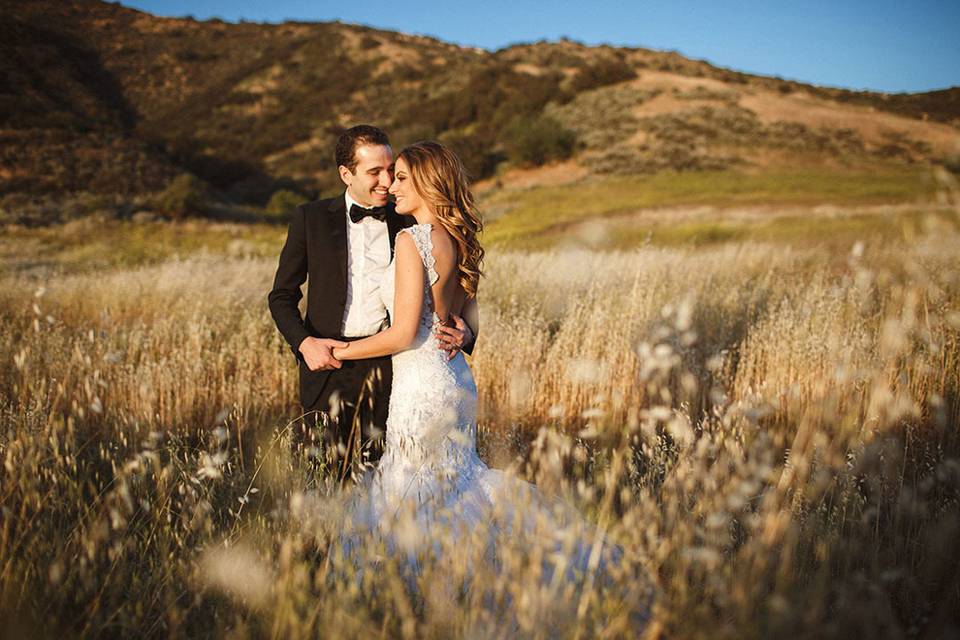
(447, 294)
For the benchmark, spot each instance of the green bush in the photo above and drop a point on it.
(283, 201)
(491, 95)
(952, 163)
(185, 195)
(475, 151)
(536, 141)
(601, 74)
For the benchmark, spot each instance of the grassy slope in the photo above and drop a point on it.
(91, 244)
(541, 215)
(628, 211)
(809, 447)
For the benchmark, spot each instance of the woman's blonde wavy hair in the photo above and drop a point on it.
(440, 179)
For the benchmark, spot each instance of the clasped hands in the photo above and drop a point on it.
(318, 352)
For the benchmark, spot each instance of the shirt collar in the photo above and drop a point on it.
(350, 202)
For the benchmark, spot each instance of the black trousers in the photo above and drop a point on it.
(350, 416)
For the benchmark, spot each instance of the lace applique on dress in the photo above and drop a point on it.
(421, 234)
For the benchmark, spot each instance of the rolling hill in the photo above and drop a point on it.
(103, 105)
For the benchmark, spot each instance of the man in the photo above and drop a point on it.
(344, 245)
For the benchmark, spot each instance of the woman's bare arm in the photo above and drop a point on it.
(407, 306)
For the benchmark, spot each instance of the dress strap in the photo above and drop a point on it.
(421, 237)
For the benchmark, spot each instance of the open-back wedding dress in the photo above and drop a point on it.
(430, 472)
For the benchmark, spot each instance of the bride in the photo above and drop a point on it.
(430, 472)
(431, 423)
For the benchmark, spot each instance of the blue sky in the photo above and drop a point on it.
(881, 45)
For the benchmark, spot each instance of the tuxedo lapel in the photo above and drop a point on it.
(338, 236)
(393, 227)
(395, 222)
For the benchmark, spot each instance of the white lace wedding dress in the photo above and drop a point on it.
(430, 472)
(430, 451)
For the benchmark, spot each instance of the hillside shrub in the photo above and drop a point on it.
(186, 195)
(490, 97)
(536, 141)
(952, 163)
(601, 74)
(283, 201)
(475, 151)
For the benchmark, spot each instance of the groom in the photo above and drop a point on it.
(344, 246)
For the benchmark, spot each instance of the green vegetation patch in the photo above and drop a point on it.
(549, 209)
(90, 244)
(832, 231)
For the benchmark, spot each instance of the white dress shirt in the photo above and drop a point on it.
(368, 256)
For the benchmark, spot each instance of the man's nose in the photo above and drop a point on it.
(386, 179)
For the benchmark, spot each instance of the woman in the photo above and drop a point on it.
(430, 469)
(431, 424)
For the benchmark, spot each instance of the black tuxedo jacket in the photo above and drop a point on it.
(316, 247)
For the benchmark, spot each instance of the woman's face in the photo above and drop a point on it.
(408, 200)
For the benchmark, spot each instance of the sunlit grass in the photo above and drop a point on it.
(95, 243)
(527, 213)
(768, 428)
(712, 227)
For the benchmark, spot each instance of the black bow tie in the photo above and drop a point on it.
(358, 213)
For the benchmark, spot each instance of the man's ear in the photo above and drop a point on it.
(346, 175)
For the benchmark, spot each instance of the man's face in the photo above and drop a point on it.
(369, 184)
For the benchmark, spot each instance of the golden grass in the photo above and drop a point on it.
(768, 431)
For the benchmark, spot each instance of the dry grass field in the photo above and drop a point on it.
(768, 428)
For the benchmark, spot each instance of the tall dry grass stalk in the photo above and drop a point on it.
(769, 434)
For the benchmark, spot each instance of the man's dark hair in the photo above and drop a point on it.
(354, 137)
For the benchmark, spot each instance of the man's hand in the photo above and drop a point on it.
(318, 353)
(453, 338)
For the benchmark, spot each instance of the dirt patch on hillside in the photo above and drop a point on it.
(876, 127)
(529, 69)
(394, 56)
(548, 176)
(666, 80)
(668, 102)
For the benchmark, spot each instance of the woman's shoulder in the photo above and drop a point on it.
(432, 236)
(442, 241)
